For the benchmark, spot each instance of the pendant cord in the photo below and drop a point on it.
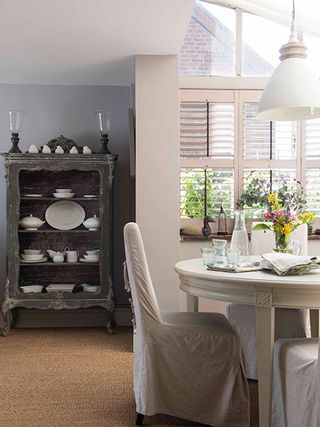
(293, 11)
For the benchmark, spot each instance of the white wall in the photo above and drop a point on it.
(157, 170)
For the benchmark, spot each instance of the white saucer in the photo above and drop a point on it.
(88, 261)
(25, 261)
(90, 196)
(31, 195)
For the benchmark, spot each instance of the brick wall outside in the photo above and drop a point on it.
(208, 49)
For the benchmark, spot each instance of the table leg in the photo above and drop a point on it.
(192, 303)
(265, 340)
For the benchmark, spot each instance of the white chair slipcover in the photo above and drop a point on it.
(289, 323)
(186, 365)
(296, 385)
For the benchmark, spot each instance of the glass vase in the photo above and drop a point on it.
(283, 243)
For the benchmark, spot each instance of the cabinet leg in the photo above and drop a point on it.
(110, 328)
(110, 323)
(7, 317)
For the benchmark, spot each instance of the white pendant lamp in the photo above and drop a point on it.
(293, 91)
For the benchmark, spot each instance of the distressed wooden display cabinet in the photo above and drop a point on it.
(41, 174)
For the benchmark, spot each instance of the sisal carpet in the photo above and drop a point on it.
(73, 377)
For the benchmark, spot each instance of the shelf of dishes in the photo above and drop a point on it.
(80, 198)
(60, 193)
(49, 230)
(61, 287)
(35, 256)
(63, 215)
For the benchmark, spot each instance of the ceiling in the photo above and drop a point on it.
(86, 42)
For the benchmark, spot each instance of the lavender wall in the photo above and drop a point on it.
(69, 110)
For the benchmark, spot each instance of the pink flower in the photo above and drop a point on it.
(279, 214)
(267, 215)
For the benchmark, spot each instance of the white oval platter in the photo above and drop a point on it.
(65, 215)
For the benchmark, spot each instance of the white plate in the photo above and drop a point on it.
(90, 196)
(31, 195)
(86, 260)
(44, 259)
(63, 195)
(65, 215)
(63, 287)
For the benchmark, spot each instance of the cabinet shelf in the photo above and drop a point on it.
(59, 200)
(59, 231)
(57, 264)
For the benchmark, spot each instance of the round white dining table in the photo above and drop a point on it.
(264, 289)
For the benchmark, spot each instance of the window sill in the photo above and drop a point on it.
(184, 238)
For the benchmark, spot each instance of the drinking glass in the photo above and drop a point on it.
(219, 248)
(233, 257)
(207, 255)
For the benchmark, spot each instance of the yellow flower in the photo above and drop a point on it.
(273, 200)
(306, 217)
(287, 229)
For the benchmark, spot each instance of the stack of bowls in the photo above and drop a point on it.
(63, 193)
(32, 255)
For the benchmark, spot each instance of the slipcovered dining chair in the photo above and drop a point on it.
(187, 365)
(289, 323)
(296, 383)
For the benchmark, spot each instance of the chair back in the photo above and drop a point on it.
(145, 304)
(263, 241)
(301, 234)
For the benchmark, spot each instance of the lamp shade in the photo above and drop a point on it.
(292, 93)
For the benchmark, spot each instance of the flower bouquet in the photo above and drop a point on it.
(283, 222)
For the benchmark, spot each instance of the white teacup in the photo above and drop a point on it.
(72, 256)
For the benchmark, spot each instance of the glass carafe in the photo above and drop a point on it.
(239, 238)
(219, 251)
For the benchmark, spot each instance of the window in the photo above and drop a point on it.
(224, 145)
(260, 54)
(207, 135)
(222, 141)
(209, 45)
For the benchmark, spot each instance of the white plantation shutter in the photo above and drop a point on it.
(221, 130)
(274, 176)
(273, 180)
(220, 192)
(258, 135)
(312, 138)
(192, 193)
(207, 129)
(313, 190)
(193, 129)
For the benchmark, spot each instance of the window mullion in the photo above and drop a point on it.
(238, 53)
